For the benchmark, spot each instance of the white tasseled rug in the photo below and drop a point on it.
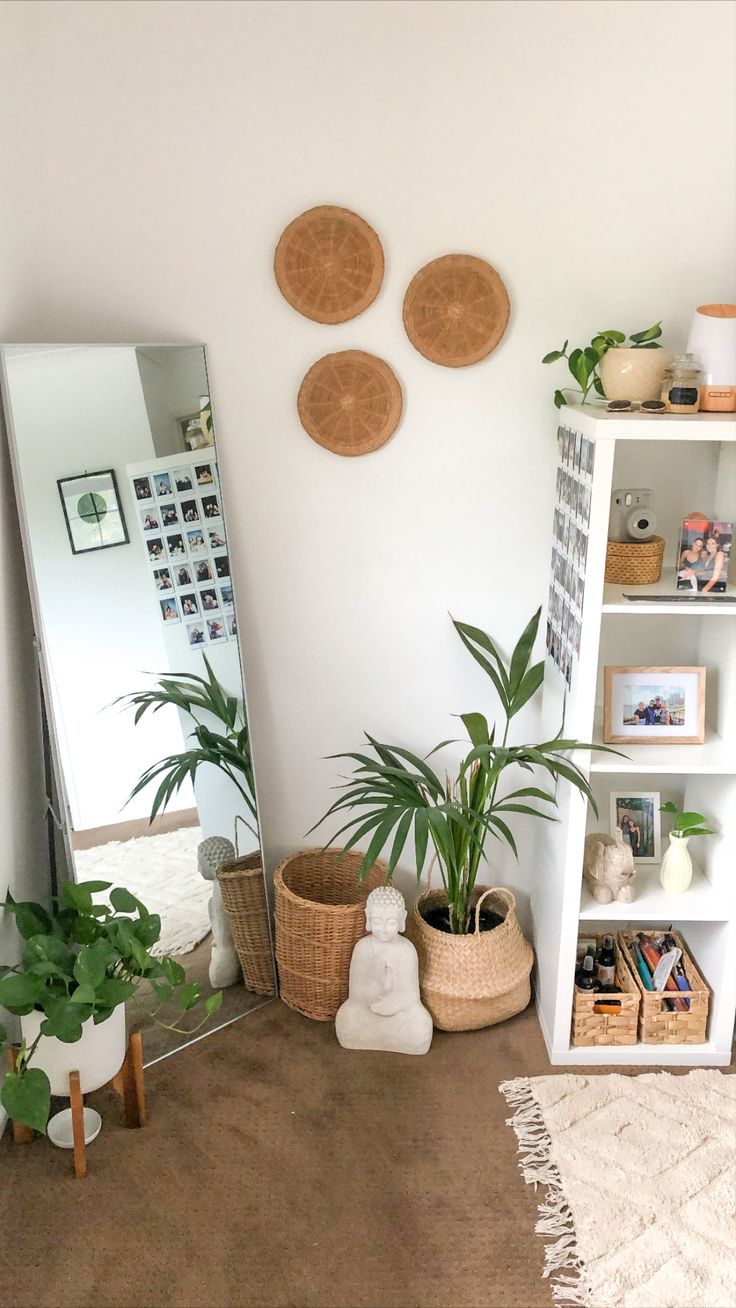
(640, 1178)
(162, 872)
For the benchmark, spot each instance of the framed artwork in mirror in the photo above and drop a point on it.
(92, 511)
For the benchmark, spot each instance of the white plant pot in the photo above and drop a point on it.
(98, 1056)
(676, 871)
(629, 374)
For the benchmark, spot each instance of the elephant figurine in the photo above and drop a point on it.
(608, 867)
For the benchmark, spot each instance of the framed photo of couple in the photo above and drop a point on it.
(653, 706)
(636, 814)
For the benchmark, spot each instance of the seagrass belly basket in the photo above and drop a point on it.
(477, 979)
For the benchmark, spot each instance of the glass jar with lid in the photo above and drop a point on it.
(681, 384)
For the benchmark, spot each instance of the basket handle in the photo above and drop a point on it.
(493, 890)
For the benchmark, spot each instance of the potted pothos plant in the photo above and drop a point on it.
(393, 793)
(612, 368)
(82, 959)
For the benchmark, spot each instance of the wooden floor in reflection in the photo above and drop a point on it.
(157, 1041)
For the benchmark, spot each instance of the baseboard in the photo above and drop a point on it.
(174, 821)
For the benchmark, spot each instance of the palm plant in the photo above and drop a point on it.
(229, 749)
(393, 790)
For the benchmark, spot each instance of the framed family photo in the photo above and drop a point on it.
(653, 706)
(92, 511)
(636, 814)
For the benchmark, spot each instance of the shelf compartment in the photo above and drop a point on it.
(665, 588)
(705, 1055)
(701, 902)
(716, 756)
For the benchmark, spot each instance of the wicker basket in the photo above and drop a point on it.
(478, 979)
(634, 563)
(244, 896)
(320, 917)
(657, 1025)
(613, 1025)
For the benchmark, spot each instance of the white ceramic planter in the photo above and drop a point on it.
(676, 871)
(629, 374)
(97, 1056)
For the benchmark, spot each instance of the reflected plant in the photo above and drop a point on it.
(81, 960)
(229, 749)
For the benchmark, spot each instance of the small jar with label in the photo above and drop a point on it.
(681, 384)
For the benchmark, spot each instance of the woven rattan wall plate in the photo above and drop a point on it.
(350, 402)
(329, 264)
(456, 310)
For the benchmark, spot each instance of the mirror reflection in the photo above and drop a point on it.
(122, 510)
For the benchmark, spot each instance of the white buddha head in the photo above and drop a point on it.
(385, 913)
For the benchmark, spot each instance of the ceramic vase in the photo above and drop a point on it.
(676, 871)
(629, 374)
(98, 1056)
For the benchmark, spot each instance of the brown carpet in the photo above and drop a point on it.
(280, 1171)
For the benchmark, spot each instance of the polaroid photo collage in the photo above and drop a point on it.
(569, 548)
(184, 538)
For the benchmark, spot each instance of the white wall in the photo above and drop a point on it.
(584, 149)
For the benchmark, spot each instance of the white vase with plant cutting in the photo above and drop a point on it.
(676, 868)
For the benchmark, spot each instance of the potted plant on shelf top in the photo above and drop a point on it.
(393, 792)
(81, 961)
(613, 369)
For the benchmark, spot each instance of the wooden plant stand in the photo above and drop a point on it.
(127, 1083)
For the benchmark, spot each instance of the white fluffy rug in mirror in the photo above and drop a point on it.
(162, 872)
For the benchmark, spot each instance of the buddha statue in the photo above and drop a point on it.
(383, 1009)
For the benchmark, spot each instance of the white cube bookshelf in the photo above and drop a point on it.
(690, 463)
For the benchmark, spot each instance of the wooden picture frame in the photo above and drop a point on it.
(639, 703)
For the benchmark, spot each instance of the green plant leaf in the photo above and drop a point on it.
(599, 389)
(553, 356)
(26, 1097)
(650, 334)
(114, 991)
(613, 337)
(476, 727)
(90, 965)
(173, 971)
(690, 819)
(162, 989)
(522, 654)
(560, 399)
(84, 994)
(64, 1020)
(213, 1003)
(669, 807)
(529, 686)
(122, 900)
(20, 992)
(31, 919)
(189, 995)
(148, 930)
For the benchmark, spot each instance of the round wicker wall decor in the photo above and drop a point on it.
(350, 402)
(456, 310)
(329, 264)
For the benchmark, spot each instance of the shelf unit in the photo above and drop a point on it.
(690, 463)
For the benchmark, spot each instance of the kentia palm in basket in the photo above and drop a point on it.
(474, 961)
(241, 880)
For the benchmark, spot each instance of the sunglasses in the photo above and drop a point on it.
(631, 406)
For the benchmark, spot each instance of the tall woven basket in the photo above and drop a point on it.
(320, 917)
(244, 896)
(478, 979)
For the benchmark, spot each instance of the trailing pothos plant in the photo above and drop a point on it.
(80, 960)
(686, 824)
(583, 363)
(392, 791)
(228, 749)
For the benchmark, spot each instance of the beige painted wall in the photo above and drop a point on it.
(585, 149)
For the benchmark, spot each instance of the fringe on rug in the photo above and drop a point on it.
(555, 1221)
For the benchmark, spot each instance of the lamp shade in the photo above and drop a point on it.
(713, 342)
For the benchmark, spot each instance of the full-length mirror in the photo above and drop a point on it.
(121, 504)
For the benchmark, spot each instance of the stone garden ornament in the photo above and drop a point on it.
(383, 1009)
(224, 962)
(608, 867)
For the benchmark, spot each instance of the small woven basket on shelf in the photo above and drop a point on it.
(244, 896)
(472, 980)
(616, 1022)
(657, 1024)
(320, 917)
(634, 563)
